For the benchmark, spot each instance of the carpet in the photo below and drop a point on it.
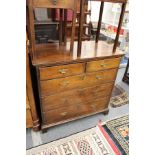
(119, 96)
(89, 142)
(118, 131)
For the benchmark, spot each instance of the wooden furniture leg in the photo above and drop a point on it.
(44, 131)
(65, 27)
(126, 74)
(99, 22)
(73, 31)
(60, 26)
(81, 21)
(106, 112)
(119, 27)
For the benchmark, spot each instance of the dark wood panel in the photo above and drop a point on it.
(102, 64)
(69, 112)
(61, 71)
(75, 97)
(50, 87)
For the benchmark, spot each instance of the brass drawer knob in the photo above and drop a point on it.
(83, 77)
(93, 106)
(81, 92)
(103, 65)
(62, 71)
(65, 100)
(63, 114)
(65, 83)
(98, 77)
(55, 2)
(78, 106)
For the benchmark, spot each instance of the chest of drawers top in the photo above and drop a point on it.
(51, 55)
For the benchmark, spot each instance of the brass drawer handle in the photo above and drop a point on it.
(81, 92)
(78, 106)
(63, 71)
(54, 2)
(83, 77)
(65, 100)
(103, 65)
(63, 114)
(65, 83)
(93, 106)
(98, 77)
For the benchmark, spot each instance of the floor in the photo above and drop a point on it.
(37, 138)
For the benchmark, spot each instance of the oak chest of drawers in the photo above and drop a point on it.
(74, 90)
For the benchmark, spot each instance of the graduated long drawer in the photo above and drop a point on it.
(74, 97)
(77, 110)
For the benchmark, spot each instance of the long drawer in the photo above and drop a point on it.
(50, 87)
(77, 110)
(102, 64)
(74, 97)
(61, 71)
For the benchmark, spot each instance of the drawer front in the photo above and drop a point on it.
(54, 3)
(61, 71)
(50, 87)
(73, 97)
(78, 110)
(102, 64)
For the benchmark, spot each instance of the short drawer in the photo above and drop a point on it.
(50, 87)
(78, 96)
(61, 71)
(102, 64)
(65, 4)
(78, 110)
